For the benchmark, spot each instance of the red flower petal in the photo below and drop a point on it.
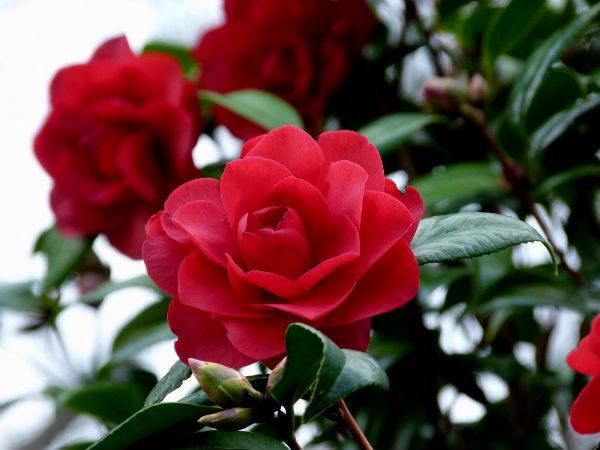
(277, 285)
(351, 146)
(344, 189)
(261, 338)
(201, 337)
(412, 200)
(163, 256)
(199, 189)
(391, 282)
(355, 335)
(585, 418)
(115, 48)
(384, 221)
(293, 148)
(207, 226)
(204, 285)
(245, 183)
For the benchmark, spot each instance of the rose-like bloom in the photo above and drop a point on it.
(117, 141)
(295, 231)
(300, 50)
(585, 415)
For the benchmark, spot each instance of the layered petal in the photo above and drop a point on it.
(202, 337)
(584, 413)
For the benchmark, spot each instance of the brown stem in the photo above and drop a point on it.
(353, 427)
(413, 12)
(515, 175)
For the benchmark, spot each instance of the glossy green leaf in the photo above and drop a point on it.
(466, 235)
(167, 384)
(507, 28)
(388, 132)
(109, 287)
(459, 184)
(146, 328)
(313, 357)
(540, 61)
(149, 422)
(530, 295)
(236, 440)
(20, 297)
(557, 124)
(262, 108)
(62, 254)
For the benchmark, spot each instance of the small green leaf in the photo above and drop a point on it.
(167, 384)
(388, 132)
(557, 124)
(466, 235)
(313, 357)
(236, 440)
(63, 255)
(109, 287)
(507, 29)
(263, 108)
(109, 401)
(574, 173)
(149, 422)
(148, 327)
(459, 184)
(178, 51)
(540, 61)
(20, 297)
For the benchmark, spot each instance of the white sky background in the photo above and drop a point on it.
(37, 37)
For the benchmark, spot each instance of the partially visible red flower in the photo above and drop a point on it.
(295, 231)
(300, 50)
(585, 415)
(117, 141)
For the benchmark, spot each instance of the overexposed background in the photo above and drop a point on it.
(38, 37)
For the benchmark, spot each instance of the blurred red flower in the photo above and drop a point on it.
(117, 141)
(585, 417)
(295, 231)
(300, 50)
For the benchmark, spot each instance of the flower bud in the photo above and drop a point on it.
(276, 374)
(444, 93)
(229, 419)
(478, 89)
(225, 386)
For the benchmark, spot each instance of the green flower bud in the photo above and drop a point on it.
(229, 419)
(276, 374)
(225, 386)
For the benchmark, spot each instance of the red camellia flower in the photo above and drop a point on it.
(295, 231)
(117, 141)
(585, 415)
(300, 50)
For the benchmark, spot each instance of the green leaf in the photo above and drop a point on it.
(148, 327)
(574, 173)
(530, 295)
(313, 357)
(109, 287)
(557, 124)
(466, 235)
(20, 297)
(236, 440)
(459, 184)
(263, 108)
(149, 422)
(507, 29)
(180, 52)
(167, 384)
(110, 402)
(63, 255)
(540, 61)
(388, 132)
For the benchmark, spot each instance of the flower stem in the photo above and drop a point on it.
(353, 427)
